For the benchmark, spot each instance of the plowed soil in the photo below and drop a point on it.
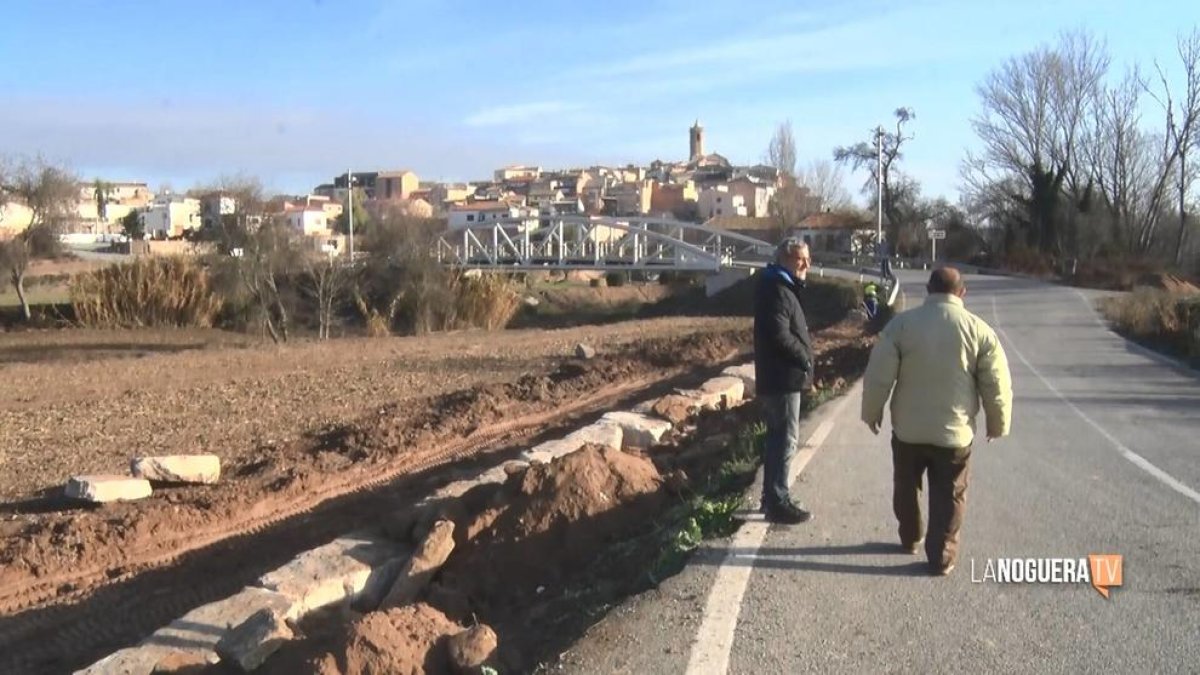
(316, 439)
(77, 582)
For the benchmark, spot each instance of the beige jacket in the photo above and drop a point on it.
(943, 361)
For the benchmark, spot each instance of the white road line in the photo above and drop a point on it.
(714, 639)
(1139, 461)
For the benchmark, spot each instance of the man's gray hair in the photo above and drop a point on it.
(789, 246)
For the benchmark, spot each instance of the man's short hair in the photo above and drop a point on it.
(789, 246)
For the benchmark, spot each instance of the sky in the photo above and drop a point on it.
(294, 91)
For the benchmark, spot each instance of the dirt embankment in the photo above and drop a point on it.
(77, 583)
(539, 559)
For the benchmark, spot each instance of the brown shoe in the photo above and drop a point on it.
(943, 570)
(913, 548)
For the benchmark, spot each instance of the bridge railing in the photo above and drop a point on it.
(580, 241)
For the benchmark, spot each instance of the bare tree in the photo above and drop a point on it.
(401, 284)
(1035, 110)
(49, 192)
(260, 250)
(781, 151)
(1182, 134)
(866, 155)
(268, 254)
(824, 181)
(324, 281)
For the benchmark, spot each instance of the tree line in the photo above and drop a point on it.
(1076, 159)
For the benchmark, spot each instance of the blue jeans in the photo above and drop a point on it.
(782, 415)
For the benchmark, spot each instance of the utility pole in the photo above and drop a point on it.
(350, 207)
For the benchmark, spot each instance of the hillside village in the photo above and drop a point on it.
(705, 188)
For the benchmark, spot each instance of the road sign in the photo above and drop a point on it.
(937, 234)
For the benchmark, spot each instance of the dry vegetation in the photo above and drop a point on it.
(171, 292)
(1162, 319)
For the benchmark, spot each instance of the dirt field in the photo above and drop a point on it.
(317, 439)
(76, 582)
(85, 401)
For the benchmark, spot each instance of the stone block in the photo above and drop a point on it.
(198, 469)
(327, 574)
(104, 489)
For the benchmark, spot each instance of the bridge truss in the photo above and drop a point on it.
(599, 243)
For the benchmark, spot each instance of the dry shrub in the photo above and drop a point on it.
(1114, 272)
(487, 301)
(147, 292)
(1027, 260)
(378, 323)
(1167, 320)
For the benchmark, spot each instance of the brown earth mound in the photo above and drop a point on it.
(403, 640)
(553, 520)
(561, 515)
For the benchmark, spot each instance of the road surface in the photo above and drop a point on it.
(1102, 460)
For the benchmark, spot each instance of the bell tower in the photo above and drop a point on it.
(696, 142)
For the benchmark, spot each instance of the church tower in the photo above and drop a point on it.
(696, 144)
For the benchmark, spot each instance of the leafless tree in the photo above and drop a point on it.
(259, 250)
(781, 151)
(401, 285)
(790, 204)
(50, 192)
(1182, 132)
(1121, 159)
(324, 281)
(824, 181)
(268, 254)
(866, 155)
(1035, 111)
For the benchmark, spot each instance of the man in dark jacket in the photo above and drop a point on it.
(783, 367)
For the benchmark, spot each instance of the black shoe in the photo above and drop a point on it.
(787, 514)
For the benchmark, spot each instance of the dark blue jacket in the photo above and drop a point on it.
(783, 354)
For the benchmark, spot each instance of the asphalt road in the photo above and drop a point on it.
(1102, 459)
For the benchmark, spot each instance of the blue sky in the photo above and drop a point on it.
(183, 91)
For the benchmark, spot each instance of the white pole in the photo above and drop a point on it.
(350, 205)
(934, 240)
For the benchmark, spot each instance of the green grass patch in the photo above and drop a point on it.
(710, 512)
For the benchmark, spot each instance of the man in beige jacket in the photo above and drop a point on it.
(943, 362)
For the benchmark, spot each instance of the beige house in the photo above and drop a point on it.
(720, 200)
(170, 215)
(121, 199)
(14, 218)
(836, 232)
(484, 212)
(412, 208)
(756, 196)
(310, 221)
(673, 197)
(444, 194)
(630, 199)
(394, 185)
(517, 172)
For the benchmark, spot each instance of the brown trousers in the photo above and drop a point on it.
(949, 474)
